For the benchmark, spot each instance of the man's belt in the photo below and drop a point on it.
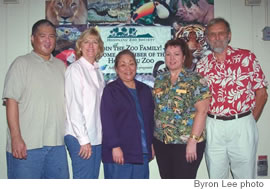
(226, 118)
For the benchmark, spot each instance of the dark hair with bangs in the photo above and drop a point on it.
(121, 53)
(184, 48)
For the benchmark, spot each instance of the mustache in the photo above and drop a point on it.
(220, 41)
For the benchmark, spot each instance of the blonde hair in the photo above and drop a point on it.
(90, 31)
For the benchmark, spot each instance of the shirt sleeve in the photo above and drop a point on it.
(74, 104)
(259, 80)
(201, 91)
(15, 81)
(200, 67)
(156, 93)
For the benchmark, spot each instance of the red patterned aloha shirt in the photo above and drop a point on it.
(233, 82)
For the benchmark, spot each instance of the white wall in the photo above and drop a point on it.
(247, 22)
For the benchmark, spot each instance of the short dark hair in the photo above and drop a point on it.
(121, 53)
(181, 43)
(42, 22)
(216, 21)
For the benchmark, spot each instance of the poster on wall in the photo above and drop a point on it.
(187, 18)
(195, 11)
(123, 24)
(67, 12)
(191, 18)
(193, 34)
(171, 12)
(108, 12)
(147, 43)
(65, 42)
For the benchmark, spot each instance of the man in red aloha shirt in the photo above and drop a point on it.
(239, 94)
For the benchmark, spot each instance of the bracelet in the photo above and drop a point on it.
(195, 137)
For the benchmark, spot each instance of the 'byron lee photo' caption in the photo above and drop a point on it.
(241, 184)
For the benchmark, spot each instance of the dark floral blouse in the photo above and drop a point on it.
(174, 105)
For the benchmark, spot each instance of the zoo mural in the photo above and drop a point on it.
(142, 26)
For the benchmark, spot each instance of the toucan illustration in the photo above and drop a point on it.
(161, 9)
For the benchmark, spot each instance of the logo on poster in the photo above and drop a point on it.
(128, 34)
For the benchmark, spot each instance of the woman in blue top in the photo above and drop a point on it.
(127, 116)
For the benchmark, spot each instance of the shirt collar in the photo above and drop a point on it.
(88, 64)
(228, 52)
(183, 72)
(40, 58)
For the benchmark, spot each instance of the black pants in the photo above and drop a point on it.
(172, 163)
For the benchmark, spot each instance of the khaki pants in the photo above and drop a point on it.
(231, 145)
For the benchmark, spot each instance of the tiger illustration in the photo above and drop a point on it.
(193, 34)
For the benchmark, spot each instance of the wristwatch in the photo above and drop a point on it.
(197, 138)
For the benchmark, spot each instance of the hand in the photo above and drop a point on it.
(191, 154)
(85, 151)
(19, 149)
(118, 156)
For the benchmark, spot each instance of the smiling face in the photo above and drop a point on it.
(90, 48)
(43, 41)
(126, 69)
(218, 37)
(174, 58)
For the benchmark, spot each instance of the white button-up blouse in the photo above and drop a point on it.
(84, 85)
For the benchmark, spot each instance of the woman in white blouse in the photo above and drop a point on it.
(84, 85)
